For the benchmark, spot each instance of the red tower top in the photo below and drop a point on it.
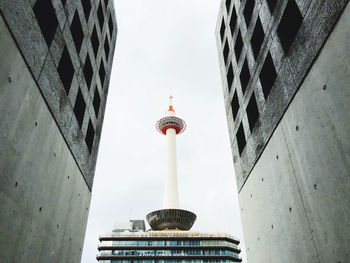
(170, 121)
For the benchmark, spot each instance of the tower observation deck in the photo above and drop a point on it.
(171, 216)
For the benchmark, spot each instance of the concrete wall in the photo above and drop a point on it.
(295, 202)
(43, 195)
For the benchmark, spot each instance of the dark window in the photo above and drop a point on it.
(233, 20)
(257, 38)
(271, 4)
(228, 4)
(226, 50)
(63, 2)
(252, 112)
(230, 77)
(240, 137)
(79, 108)
(245, 76)
(106, 2)
(238, 46)
(248, 11)
(110, 25)
(94, 41)
(77, 31)
(90, 135)
(65, 69)
(86, 8)
(289, 25)
(106, 45)
(222, 30)
(96, 102)
(88, 71)
(234, 105)
(101, 18)
(102, 73)
(47, 20)
(267, 75)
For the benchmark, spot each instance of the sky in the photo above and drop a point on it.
(163, 45)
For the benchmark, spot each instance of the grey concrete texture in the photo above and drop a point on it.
(43, 63)
(44, 197)
(295, 203)
(319, 18)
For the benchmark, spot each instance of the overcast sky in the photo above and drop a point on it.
(163, 45)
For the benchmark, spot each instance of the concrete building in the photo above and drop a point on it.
(167, 246)
(285, 76)
(55, 65)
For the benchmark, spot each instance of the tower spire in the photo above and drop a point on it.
(171, 108)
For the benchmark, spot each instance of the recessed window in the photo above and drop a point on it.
(257, 38)
(106, 3)
(65, 70)
(240, 137)
(271, 4)
(230, 77)
(94, 41)
(233, 20)
(86, 8)
(226, 50)
(252, 112)
(79, 108)
(289, 25)
(100, 16)
(228, 4)
(88, 72)
(106, 47)
(238, 46)
(63, 2)
(77, 31)
(90, 135)
(248, 11)
(110, 25)
(47, 20)
(267, 75)
(102, 73)
(222, 30)
(245, 76)
(234, 105)
(96, 102)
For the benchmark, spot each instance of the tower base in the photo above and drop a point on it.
(171, 219)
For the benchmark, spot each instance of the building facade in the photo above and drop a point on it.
(285, 77)
(167, 246)
(55, 66)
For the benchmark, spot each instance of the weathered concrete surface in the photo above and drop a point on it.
(295, 203)
(44, 198)
(42, 61)
(319, 18)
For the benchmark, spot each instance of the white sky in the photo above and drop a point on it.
(164, 44)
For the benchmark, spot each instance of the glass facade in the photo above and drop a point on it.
(168, 246)
(139, 243)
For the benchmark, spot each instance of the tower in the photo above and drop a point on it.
(171, 216)
(285, 84)
(55, 65)
(169, 240)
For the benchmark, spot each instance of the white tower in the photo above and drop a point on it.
(171, 216)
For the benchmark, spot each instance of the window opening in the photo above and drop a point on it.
(47, 20)
(289, 25)
(65, 70)
(267, 75)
